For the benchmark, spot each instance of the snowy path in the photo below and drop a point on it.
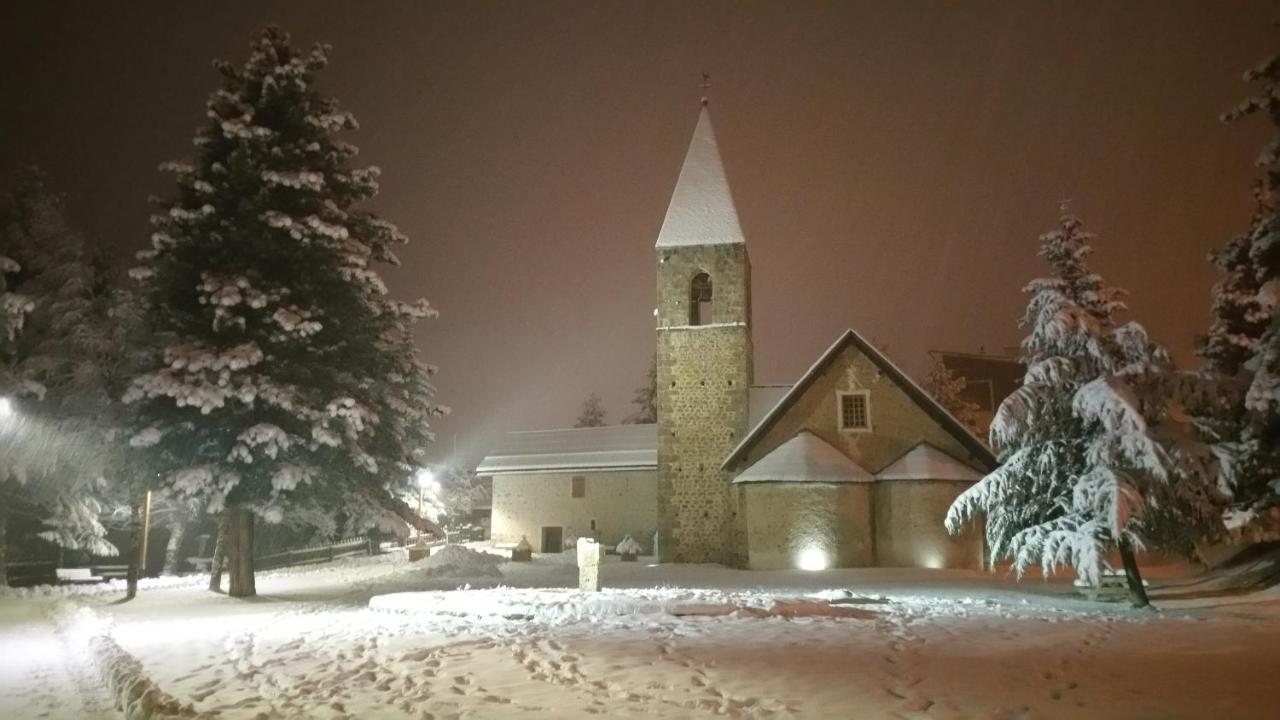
(931, 645)
(42, 675)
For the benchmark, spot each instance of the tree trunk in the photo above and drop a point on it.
(1137, 591)
(173, 551)
(218, 555)
(135, 551)
(4, 542)
(239, 543)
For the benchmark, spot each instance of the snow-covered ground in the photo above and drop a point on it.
(380, 638)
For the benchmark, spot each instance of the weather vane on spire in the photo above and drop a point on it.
(706, 85)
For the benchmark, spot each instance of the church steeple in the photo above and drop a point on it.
(701, 211)
(703, 357)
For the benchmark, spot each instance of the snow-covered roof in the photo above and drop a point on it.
(926, 462)
(914, 391)
(805, 458)
(614, 447)
(701, 211)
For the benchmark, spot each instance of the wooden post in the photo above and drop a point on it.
(135, 552)
(146, 534)
(4, 536)
(219, 554)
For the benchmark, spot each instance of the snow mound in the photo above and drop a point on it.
(457, 561)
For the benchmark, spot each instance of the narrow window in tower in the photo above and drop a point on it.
(701, 311)
(853, 411)
(578, 487)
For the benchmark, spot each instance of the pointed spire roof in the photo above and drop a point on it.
(701, 210)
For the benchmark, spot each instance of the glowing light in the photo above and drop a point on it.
(6, 407)
(813, 558)
(931, 560)
(427, 479)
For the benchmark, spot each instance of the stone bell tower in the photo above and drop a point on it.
(704, 358)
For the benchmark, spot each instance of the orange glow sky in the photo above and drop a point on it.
(892, 162)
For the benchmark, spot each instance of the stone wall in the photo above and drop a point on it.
(704, 373)
(909, 530)
(621, 502)
(789, 524)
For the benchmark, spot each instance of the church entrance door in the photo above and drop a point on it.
(552, 539)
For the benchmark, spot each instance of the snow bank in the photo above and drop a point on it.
(564, 607)
(135, 694)
(457, 561)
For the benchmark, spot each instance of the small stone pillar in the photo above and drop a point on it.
(522, 552)
(590, 558)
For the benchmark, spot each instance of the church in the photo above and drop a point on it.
(852, 465)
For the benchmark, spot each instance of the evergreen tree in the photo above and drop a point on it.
(291, 383)
(592, 414)
(948, 389)
(52, 379)
(646, 399)
(1242, 418)
(1091, 457)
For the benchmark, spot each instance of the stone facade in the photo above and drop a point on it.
(909, 531)
(790, 524)
(618, 502)
(704, 374)
(898, 423)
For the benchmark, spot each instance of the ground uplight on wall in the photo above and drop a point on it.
(813, 558)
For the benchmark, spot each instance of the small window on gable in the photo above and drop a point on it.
(579, 488)
(854, 411)
(701, 310)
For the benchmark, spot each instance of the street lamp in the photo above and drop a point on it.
(426, 479)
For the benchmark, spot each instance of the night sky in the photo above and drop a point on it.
(893, 163)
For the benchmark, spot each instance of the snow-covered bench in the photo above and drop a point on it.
(77, 575)
(1112, 586)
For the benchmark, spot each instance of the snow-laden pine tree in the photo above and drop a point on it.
(1091, 457)
(52, 380)
(948, 389)
(646, 399)
(592, 413)
(1242, 416)
(291, 383)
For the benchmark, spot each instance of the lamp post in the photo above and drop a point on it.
(426, 478)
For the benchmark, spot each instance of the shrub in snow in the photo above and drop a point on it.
(1093, 454)
(291, 385)
(628, 548)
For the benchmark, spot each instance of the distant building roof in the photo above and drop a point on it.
(805, 458)
(926, 462)
(701, 211)
(614, 447)
(989, 379)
